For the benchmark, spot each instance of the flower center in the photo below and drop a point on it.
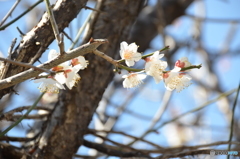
(174, 82)
(127, 55)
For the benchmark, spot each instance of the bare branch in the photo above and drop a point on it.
(55, 27)
(10, 12)
(26, 65)
(19, 139)
(80, 51)
(21, 15)
(124, 134)
(4, 71)
(113, 151)
(8, 115)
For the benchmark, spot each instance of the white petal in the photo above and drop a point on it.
(183, 59)
(155, 55)
(60, 77)
(124, 76)
(133, 47)
(52, 54)
(82, 63)
(126, 83)
(137, 57)
(123, 45)
(129, 62)
(176, 69)
(142, 76)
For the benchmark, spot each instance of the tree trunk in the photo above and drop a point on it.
(69, 122)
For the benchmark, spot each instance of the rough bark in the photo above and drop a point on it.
(69, 122)
(64, 11)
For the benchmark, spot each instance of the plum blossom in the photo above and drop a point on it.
(176, 80)
(129, 53)
(133, 79)
(67, 75)
(79, 62)
(155, 67)
(49, 84)
(183, 62)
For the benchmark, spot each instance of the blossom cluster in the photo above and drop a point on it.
(66, 73)
(173, 79)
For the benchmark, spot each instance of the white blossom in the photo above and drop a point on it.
(49, 85)
(176, 80)
(68, 75)
(79, 63)
(129, 53)
(133, 79)
(155, 67)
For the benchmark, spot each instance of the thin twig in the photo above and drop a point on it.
(6, 65)
(21, 15)
(114, 62)
(80, 32)
(117, 63)
(157, 116)
(55, 27)
(86, 156)
(35, 116)
(122, 133)
(26, 65)
(144, 56)
(36, 56)
(19, 139)
(123, 146)
(106, 57)
(11, 47)
(113, 151)
(29, 110)
(8, 115)
(67, 36)
(232, 120)
(93, 9)
(198, 108)
(216, 20)
(10, 12)
(20, 32)
(182, 148)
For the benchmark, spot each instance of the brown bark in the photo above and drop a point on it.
(70, 119)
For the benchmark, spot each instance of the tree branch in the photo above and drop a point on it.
(80, 51)
(112, 151)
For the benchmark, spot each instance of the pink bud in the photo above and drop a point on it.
(180, 64)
